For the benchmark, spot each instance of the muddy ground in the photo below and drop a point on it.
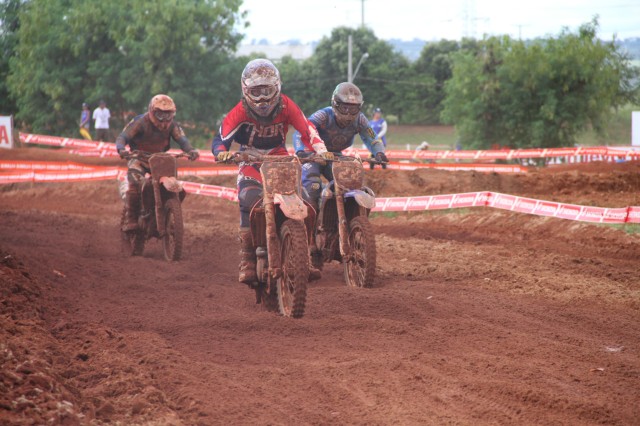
(477, 316)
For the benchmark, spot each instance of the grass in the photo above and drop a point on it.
(444, 137)
(629, 228)
(459, 211)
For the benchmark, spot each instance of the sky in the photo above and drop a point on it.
(310, 20)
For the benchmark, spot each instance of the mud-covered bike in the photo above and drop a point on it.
(281, 222)
(343, 231)
(160, 213)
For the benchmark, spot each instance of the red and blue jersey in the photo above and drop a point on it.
(270, 138)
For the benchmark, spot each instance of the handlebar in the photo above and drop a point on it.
(254, 156)
(143, 155)
(370, 160)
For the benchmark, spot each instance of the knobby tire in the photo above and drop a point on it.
(360, 270)
(292, 285)
(174, 230)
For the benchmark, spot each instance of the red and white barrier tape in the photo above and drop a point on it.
(107, 149)
(512, 203)
(67, 172)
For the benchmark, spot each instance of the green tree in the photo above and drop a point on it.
(124, 51)
(9, 24)
(430, 73)
(541, 94)
(311, 82)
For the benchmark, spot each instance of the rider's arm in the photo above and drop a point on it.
(297, 142)
(177, 133)
(319, 120)
(308, 133)
(368, 136)
(129, 131)
(230, 125)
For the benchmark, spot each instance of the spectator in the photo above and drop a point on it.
(85, 121)
(101, 116)
(379, 126)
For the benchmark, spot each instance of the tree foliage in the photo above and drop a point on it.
(541, 94)
(123, 51)
(9, 24)
(57, 54)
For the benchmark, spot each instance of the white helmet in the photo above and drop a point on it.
(261, 86)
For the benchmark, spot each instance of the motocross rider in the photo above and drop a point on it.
(150, 132)
(260, 121)
(337, 126)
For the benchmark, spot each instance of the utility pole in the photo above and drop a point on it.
(362, 13)
(350, 60)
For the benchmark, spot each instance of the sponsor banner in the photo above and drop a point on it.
(43, 165)
(6, 132)
(217, 171)
(399, 154)
(559, 210)
(431, 202)
(511, 203)
(59, 166)
(17, 171)
(60, 176)
(230, 194)
(486, 168)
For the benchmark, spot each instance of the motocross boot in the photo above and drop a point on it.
(317, 259)
(314, 273)
(132, 204)
(247, 257)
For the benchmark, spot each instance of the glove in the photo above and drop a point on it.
(193, 155)
(224, 156)
(328, 156)
(303, 154)
(123, 153)
(381, 157)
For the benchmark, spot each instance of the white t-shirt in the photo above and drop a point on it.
(101, 116)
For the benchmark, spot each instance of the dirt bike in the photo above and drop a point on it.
(280, 225)
(343, 232)
(160, 213)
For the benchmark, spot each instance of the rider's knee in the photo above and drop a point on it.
(247, 198)
(313, 189)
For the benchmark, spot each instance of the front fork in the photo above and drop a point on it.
(160, 219)
(273, 248)
(343, 229)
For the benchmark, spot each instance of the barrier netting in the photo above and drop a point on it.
(43, 171)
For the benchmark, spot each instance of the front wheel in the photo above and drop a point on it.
(292, 284)
(360, 268)
(174, 230)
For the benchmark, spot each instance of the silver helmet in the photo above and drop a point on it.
(261, 87)
(346, 103)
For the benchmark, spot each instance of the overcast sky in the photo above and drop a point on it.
(310, 20)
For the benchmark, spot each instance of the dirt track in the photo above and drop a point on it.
(476, 317)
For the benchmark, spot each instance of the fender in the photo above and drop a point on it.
(291, 205)
(364, 198)
(171, 184)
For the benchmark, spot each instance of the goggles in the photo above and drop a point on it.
(163, 115)
(347, 109)
(261, 93)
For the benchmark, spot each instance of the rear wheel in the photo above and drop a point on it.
(292, 284)
(132, 242)
(360, 269)
(174, 230)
